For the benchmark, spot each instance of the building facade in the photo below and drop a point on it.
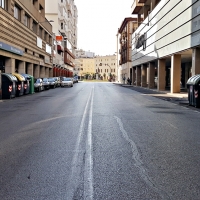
(64, 15)
(85, 67)
(166, 43)
(125, 48)
(80, 68)
(25, 38)
(106, 67)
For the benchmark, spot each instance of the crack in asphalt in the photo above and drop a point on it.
(139, 163)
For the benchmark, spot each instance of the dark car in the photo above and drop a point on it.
(38, 85)
(46, 83)
(52, 83)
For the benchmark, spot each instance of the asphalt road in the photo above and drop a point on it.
(98, 141)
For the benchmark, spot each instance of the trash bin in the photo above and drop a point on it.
(31, 88)
(193, 86)
(20, 84)
(26, 83)
(9, 83)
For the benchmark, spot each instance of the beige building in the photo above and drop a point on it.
(106, 66)
(87, 67)
(64, 15)
(25, 38)
(166, 43)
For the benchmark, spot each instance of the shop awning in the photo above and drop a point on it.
(60, 48)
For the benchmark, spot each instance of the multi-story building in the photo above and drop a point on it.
(87, 67)
(25, 38)
(106, 66)
(64, 15)
(80, 70)
(125, 48)
(80, 53)
(166, 43)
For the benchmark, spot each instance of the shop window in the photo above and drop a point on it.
(17, 12)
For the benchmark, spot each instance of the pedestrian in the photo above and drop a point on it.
(128, 80)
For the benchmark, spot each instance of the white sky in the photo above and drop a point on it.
(98, 22)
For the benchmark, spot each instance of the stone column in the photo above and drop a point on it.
(195, 61)
(144, 76)
(30, 69)
(138, 76)
(47, 72)
(10, 65)
(175, 73)
(50, 72)
(161, 74)
(21, 67)
(151, 75)
(42, 71)
(133, 75)
(36, 71)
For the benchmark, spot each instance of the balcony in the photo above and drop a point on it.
(136, 7)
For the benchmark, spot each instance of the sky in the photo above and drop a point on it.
(98, 23)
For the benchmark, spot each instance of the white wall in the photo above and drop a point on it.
(170, 30)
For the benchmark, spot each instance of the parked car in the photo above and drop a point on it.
(46, 83)
(57, 81)
(38, 85)
(66, 82)
(52, 83)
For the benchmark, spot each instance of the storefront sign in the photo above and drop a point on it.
(47, 59)
(11, 49)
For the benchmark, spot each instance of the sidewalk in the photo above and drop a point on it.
(178, 98)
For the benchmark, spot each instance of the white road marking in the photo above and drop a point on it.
(88, 175)
(79, 153)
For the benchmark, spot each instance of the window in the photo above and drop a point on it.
(27, 20)
(61, 25)
(40, 32)
(4, 4)
(105, 70)
(34, 2)
(41, 9)
(17, 12)
(34, 28)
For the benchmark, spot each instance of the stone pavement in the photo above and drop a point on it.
(177, 98)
